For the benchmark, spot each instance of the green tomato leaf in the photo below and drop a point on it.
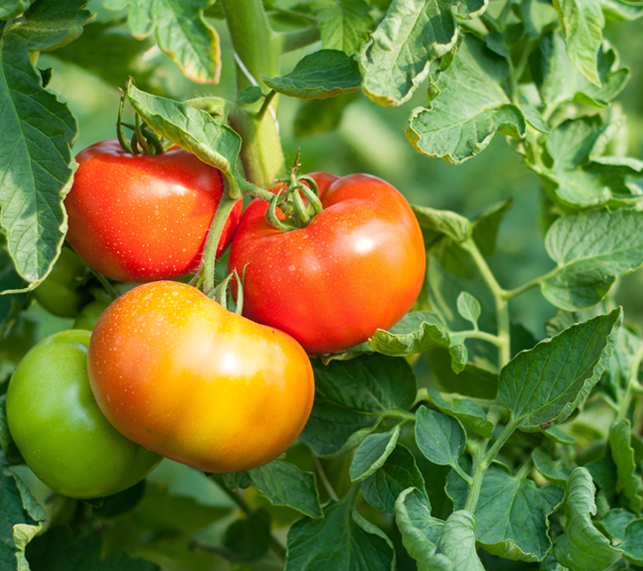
(372, 453)
(467, 411)
(182, 34)
(420, 531)
(582, 23)
(286, 485)
(469, 307)
(470, 106)
(121, 55)
(582, 547)
(619, 369)
(616, 521)
(321, 115)
(632, 543)
(629, 482)
(36, 163)
(512, 513)
(485, 227)
(416, 332)
(554, 470)
(543, 386)
(249, 95)
(438, 223)
(458, 541)
(51, 25)
(398, 473)
(22, 519)
(345, 25)
(578, 178)
(469, 9)
(57, 551)
(472, 381)
(440, 438)
(320, 75)
(350, 396)
(396, 60)
(10, 9)
(342, 539)
(249, 537)
(193, 129)
(558, 80)
(591, 249)
(534, 118)
(622, 11)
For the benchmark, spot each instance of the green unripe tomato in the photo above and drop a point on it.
(89, 314)
(59, 429)
(59, 293)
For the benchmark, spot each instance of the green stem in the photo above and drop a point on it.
(256, 45)
(491, 454)
(399, 414)
(631, 383)
(502, 309)
(236, 498)
(476, 485)
(266, 103)
(476, 334)
(510, 294)
(322, 476)
(460, 472)
(109, 288)
(206, 278)
(502, 17)
(258, 50)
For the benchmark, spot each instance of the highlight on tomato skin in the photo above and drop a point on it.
(176, 372)
(137, 218)
(358, 266)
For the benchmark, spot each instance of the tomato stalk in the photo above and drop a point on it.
(142, 136)
(258, 51)
(205, 275)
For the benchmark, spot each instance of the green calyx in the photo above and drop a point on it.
(290, 201)
(143, 140)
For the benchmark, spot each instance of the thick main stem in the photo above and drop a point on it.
(258, 51)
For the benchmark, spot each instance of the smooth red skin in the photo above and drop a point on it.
(177, 373)
(138, 218)
(358, 266)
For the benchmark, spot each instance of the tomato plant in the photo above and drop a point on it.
(59, 429)
(477, 381)
(148, 217)
(316, 282)
(174, 371)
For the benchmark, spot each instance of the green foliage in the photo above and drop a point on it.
(461, 122)
(182, 33)
(480, 431)
(321, 75)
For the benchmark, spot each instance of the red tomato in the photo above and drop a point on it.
(137, 218)
(358, 266)
(177, 373)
